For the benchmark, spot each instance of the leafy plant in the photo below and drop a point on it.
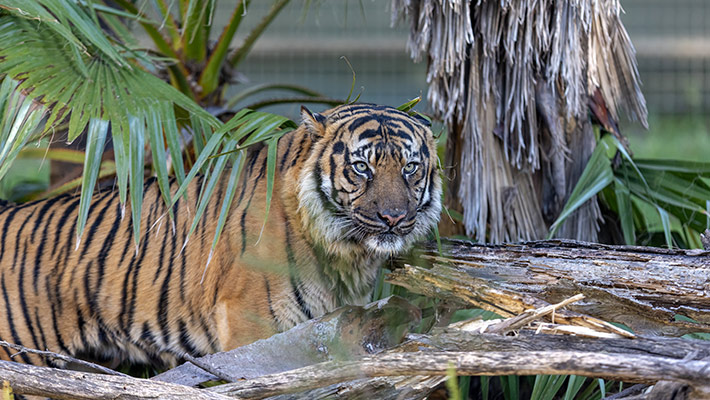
(75, 67)
(666, 197)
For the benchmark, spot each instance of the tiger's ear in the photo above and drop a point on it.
(314, 122)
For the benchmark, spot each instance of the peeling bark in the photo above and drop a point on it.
(641, 287)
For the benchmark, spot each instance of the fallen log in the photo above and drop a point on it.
(643, 288)
(626, 367)
(64, 384)
(345, 334)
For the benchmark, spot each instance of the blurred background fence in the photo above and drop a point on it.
(306, 43)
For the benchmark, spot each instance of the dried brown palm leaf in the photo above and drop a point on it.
(513, 79)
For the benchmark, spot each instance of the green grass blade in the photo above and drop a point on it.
(574, 384)
(20, 119)
(679, 166)
(210, 147)
(231, 189)
(137, 155)
(212, 180)
(406, 107)
(173, 136)
(602, 387)
(193, 39)
(553, 386)
(83, 23)
(96, 137)
(625, 211)
(273, 148)
(665, 220)
(596, 176)
(485, 387)
(452, 384)
(540, 382)
(154, 122)
(209, 77)
(33, 10)
(168, 21)
(120, 133)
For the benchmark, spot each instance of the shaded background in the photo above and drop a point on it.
(305, 44)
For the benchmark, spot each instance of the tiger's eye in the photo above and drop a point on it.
(360, 167)
(410, 168)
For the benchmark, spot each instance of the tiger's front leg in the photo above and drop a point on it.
(244, 308)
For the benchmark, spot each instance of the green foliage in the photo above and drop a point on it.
(670, 198)
(73, 67)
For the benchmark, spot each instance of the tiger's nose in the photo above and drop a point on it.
(391, 217)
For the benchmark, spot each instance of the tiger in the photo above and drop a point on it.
(354, 186)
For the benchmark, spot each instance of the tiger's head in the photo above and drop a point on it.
(371, 182)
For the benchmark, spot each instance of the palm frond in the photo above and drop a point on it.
(663, 196)
(58, 66)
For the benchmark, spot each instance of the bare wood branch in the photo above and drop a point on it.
(633, 368)
(530, 315)
(454, 285)
(526, 340)
(641, 287)
(207, 367)
(380, 388)
(61, 357)
(65, 384)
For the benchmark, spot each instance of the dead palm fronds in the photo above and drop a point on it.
(515, 81)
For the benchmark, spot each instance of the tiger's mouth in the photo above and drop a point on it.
(386, 244)
(384, 240)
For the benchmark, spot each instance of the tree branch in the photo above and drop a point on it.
(640, 287)
(62, 357)
(626, 367)
(65, 384)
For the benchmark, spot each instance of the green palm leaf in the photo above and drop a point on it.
(76, 75)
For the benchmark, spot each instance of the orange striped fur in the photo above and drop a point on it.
(353, 187)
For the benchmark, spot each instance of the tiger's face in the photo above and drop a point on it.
(371, 182)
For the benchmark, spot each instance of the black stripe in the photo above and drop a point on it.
(81, 324)
(90, 234)
(90, 293)
(186, 341)
(210, 338)
(164, 300)
(40, 252)
(9, 321)
(242, 221)
(40, 217)
(38, 322)
(291, 138)
(8, 220)
(57, 333)
(19, 237)
(293, 272)
(301, 146)
(62, 223)
(23, 299)
(128, 306)
(147, 335)
(101, 259)
(269, 301)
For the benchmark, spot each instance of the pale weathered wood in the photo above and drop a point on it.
(64, 384)
(380, 388)
(61, 357)
(345, 334)
(641, 287)
(627, 367)
(527, 340)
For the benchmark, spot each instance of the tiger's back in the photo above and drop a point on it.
(320, 248)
